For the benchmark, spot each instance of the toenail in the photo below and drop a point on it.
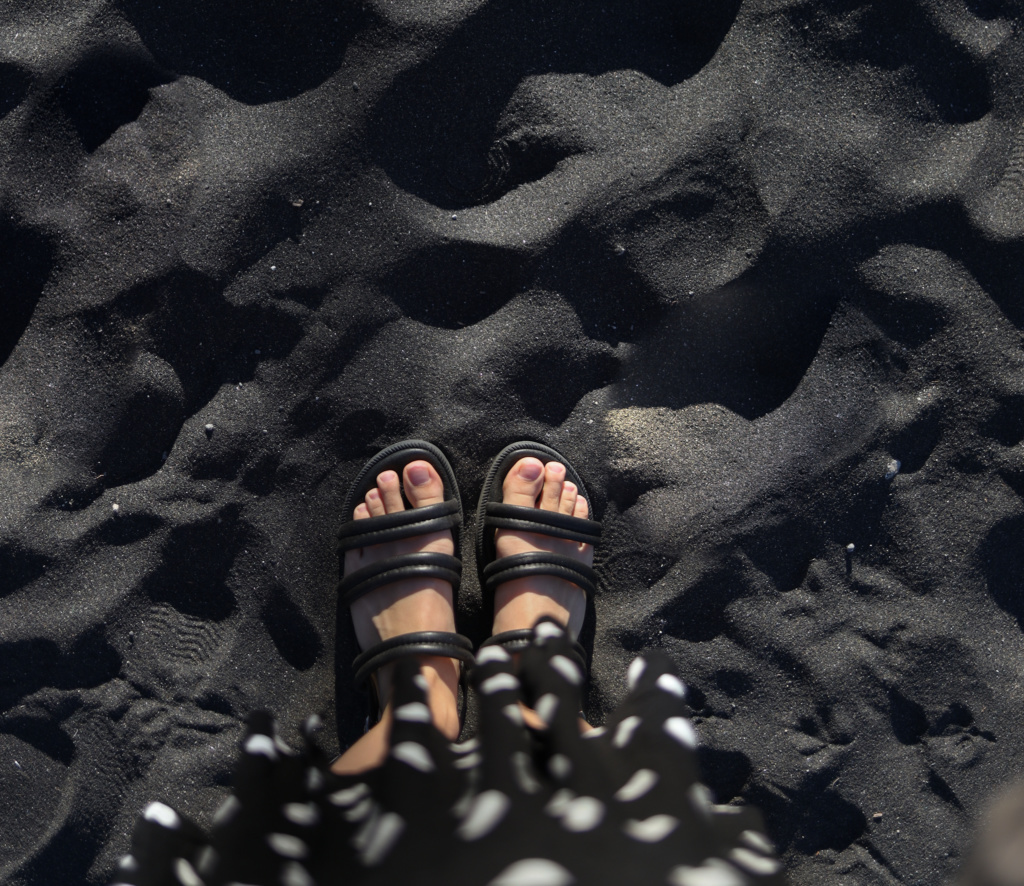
(530, 471)
(419, 475)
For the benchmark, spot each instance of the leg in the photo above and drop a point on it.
(521, 602)
(403, 607)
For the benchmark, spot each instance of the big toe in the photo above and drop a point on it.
(523, 483)
(423, 485)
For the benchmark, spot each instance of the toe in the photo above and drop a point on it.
(567, 503)
(374, 503)
(554, 478)
(523, 483)
(582, 509)
(423, 485)
(391, 491)
(362, 512)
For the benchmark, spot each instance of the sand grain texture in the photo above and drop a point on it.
(737, 259)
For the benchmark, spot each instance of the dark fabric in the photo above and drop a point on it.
(510, 807)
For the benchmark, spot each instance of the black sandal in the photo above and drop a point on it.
(392, 527)
(493, 514)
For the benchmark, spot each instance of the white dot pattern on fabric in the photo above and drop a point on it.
(262, 745)
(751, 861)
(560, 766)
(490, 654)
(288, 846)
(701, 800)
(294, 874)
(567, 668)
(314, 779)
(671, 684)
(582, 814)
(128, 863)
(758, 842)
(546, 630)
(640, 782)
(227, 811)
(513, 713)
(596, 732)
(421, 682)
(386, 832)
(414, 755)
(163, 815)
(283, 747)
(546, 706)
(360, 810)
(466, 746)
(636, 670)
(468, 762)
(304, 814)
(348, 796)
(714, 872)
(414, 712)
(682, 731)
(522, 769)
(497, 683)
(206, 861)
(461, 807)
(361, 838)
(185, 873)
(624, 731)
(533, 872)
(558, 802)
(651, 830)
(485, 814)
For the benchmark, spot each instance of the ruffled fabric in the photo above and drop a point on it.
(510, 807)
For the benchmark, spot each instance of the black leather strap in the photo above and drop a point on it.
(421, 565)
(499, 515)
(517, 641)
(442, 643)
(403, 524)
(539, 563)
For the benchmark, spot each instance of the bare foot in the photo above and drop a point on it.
(409, 605)
(519, 603)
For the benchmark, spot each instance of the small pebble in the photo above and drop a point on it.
(892, 469)
(115, 507)
(850, 548)
(208, 427)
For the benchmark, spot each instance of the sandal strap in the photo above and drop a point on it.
(498, 515)
(403, 524)
(539, 563)
(517, 641)
(441, 643)
(424, 564)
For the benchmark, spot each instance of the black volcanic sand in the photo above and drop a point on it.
(756, 267)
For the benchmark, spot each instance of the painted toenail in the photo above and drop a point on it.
(419, 475)
(530, 471)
